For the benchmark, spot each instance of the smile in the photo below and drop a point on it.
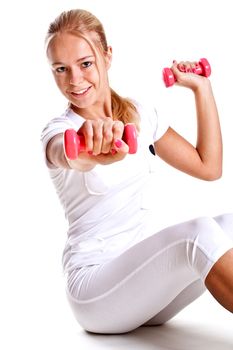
(80, 92)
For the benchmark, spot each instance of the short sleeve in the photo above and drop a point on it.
(54, 127)
(156, 125)
(162, 126)
(58, 125)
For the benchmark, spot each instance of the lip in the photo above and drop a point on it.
(75, 94)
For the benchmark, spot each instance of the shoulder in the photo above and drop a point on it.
(67, 120)
(148, 114)
(146, 110)
(153, 119)
(68, 117)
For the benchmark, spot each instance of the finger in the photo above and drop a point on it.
(196, 67)
(107, 136)
(119, 145)
(176, 70)
(97, 136)
(87, 131)
(188, 67)
(121, 148)
(181, 66)
(118, 130)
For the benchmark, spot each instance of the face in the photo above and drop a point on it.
(73, 64)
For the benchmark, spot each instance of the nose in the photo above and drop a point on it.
(76, 76)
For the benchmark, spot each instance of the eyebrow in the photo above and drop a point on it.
(80, 59)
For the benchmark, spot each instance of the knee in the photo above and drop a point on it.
(205, 236)
(209, 233)
(204, 226)
(225, 221)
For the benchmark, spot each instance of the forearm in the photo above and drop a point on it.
(209, 139)
(56, 156)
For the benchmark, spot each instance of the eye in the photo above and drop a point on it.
(60, 69)
(87, 64)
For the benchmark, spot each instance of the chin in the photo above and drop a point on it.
(83, 103)
(80, 105)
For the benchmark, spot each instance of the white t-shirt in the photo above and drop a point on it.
(105, 207)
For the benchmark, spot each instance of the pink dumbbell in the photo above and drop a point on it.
(202, 68)
(74, 142)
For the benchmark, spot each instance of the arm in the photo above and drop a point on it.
(205, 160)
(56, 156)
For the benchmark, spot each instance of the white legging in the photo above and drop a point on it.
(152, 281)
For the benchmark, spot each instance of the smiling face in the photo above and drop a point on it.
(80, 74)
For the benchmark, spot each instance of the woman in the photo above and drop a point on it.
(121, 273)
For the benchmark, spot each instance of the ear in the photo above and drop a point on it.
(108, 57)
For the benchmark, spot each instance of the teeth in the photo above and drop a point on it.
(81, 91)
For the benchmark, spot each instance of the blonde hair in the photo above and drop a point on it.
(81, 22)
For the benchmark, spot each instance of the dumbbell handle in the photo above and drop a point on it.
(202, 68)
(74, 142)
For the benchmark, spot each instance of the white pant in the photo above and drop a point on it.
(153, 280)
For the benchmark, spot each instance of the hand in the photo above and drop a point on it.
(103, 141)
(183, 72)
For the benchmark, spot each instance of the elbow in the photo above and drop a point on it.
(213, 175)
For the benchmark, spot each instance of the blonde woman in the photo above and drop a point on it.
(120, 273)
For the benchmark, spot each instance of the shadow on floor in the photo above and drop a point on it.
(175, 335)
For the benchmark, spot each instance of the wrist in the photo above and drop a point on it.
(203, 86)
(82, 163)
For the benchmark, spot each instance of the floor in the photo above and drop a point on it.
(48, 323)
(204, 325)
(213, 331)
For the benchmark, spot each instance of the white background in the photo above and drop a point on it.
(146, 36)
